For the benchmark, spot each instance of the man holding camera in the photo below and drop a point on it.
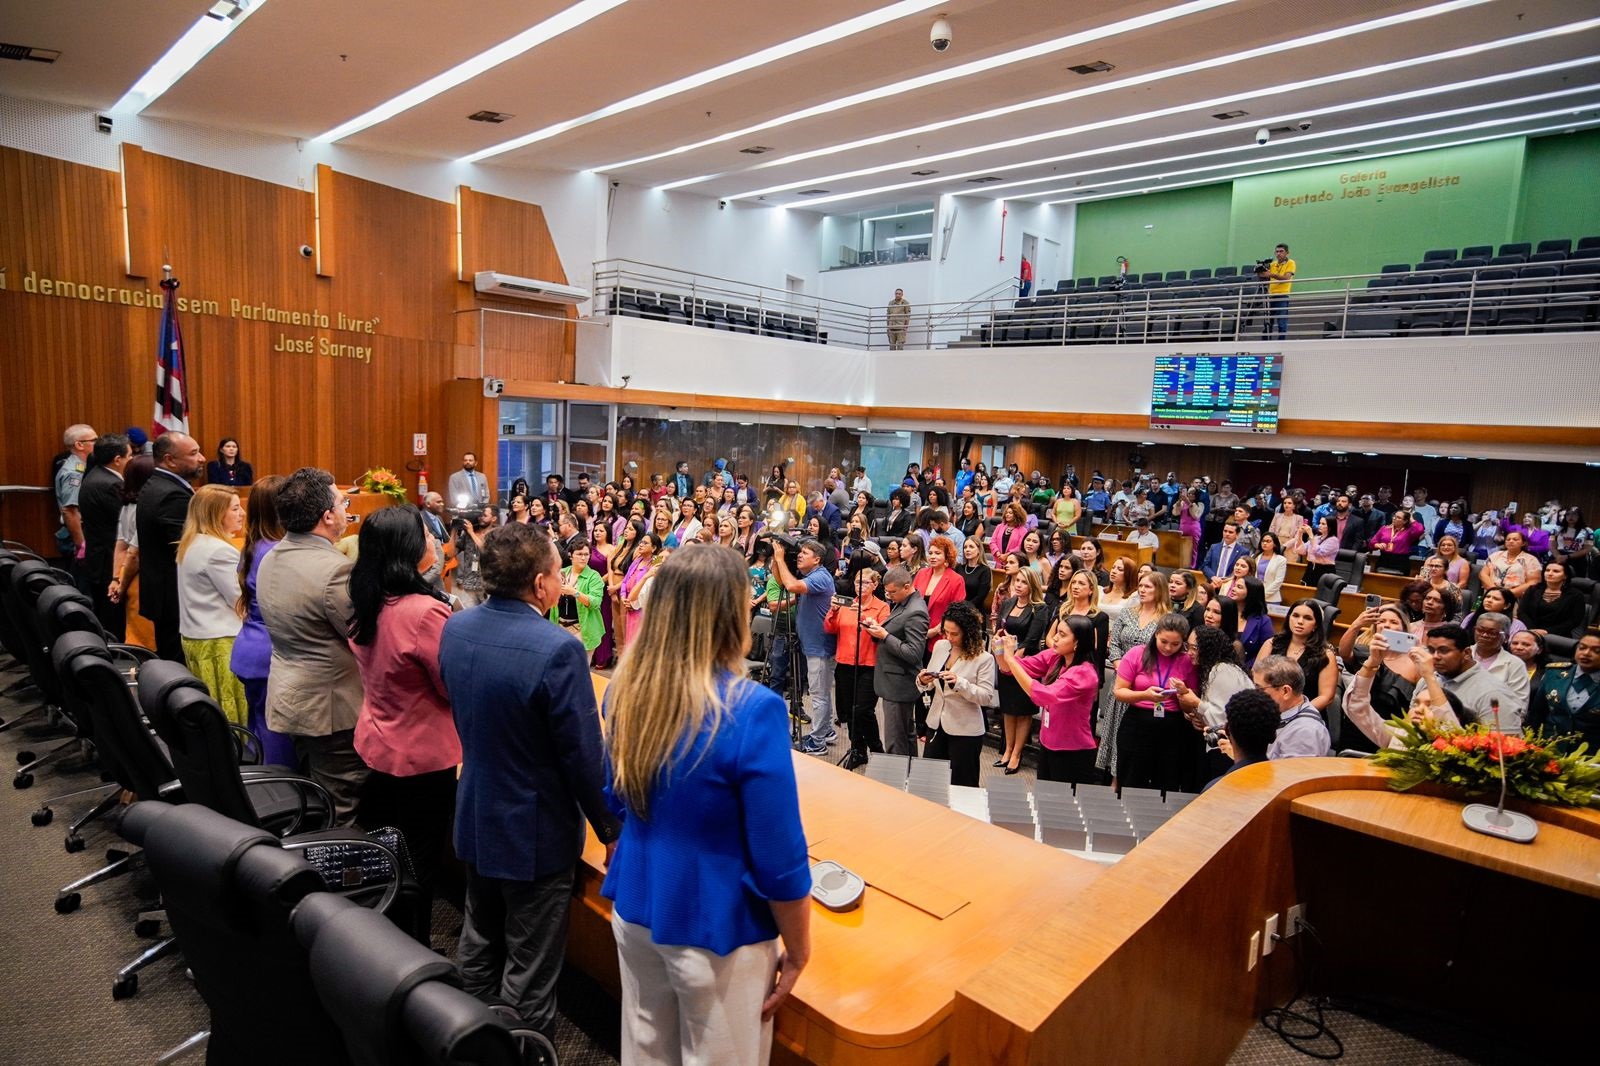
(814, 587)
(1278, 273)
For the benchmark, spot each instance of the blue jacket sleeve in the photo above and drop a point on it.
(774, 839)
(575, 728)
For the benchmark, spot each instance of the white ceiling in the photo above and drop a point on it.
(302, 67)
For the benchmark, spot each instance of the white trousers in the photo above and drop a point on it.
(684, 1006)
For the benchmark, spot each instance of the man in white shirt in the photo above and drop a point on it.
(1143, 535)
(1489, 631)
(861, 483)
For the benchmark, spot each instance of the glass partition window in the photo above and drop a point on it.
(893, 233)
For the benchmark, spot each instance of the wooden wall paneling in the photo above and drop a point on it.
(141, 245)
(648, 446)
(472, 424)
(325, 197)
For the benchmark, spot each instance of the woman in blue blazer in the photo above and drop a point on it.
(711, 867)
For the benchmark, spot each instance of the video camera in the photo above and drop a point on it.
(788, 545)
(1264, 266)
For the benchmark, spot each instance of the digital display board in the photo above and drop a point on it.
(1228, 392)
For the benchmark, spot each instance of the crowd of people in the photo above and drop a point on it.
(433, 672)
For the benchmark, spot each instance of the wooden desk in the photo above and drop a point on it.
(947, 896)
(1386, 585)
(1176, 551)
(363, 504)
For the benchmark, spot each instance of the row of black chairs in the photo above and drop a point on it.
(714, 314)
(1547, 295)
(154, 733)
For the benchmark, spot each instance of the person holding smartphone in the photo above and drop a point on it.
(962, 678)
(1156, 745)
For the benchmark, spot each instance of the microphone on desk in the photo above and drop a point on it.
(1497, 821)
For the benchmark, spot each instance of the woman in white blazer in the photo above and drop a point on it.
(963, 680)
(208, 594)
(1272, 567)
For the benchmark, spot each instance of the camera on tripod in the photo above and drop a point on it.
(1263, 267)
(789, 546)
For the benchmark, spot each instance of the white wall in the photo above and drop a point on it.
(972, 264)
(742, 242)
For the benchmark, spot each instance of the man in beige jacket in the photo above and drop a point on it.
(899, 320)
(314, 686)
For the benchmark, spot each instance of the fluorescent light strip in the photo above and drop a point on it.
(826, 35)
(1323, 151)
(188, 50)
(504, 52)
(1305, 166)
(913, 237)
(903, 214)
(1326, 36)
(1299, 139)
(1177, 109)
(978, 66)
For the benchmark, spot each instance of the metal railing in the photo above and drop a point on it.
(1475, 301)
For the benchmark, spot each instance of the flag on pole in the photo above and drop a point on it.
(172, 403)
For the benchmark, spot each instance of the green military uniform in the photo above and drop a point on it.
(1567, 701)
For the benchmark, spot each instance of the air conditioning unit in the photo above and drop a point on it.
(493, 283)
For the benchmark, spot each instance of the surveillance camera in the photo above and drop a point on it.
(939, 36)
(306, 251)
(1303, 125)
(722, 205)
(1263, 135)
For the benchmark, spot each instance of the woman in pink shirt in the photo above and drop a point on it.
(1156, 745)
(406, 732)
(1007, 536)
(1395, 541)
(1064, 683)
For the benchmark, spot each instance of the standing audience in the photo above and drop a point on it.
(208, 595)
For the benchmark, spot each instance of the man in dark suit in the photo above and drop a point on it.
(902, 640)
(556, 491)
(1568, 697)
(1348, 525)
(1220, 557)
(163, 506)
(532, 772)
(99, 507)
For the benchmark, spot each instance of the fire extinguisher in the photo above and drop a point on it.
(422, 484)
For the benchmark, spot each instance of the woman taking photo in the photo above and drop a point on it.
(405, 731)
(1254, 621)
(1356, 643)
(711, 868)
(252, 648)
(1131, 628)
(208, 594)
(976, 573)
(1218, 677)
(1023, 616)
(1302, 641)
(228, 469)
(1156, 745)
(636, 583)
(1063, 682)
(1320, 548)
(962, 678)
(1271, 567)
(1383, 681)
(855, 661)
(1554, 606)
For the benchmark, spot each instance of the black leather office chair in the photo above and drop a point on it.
(11, 640)
(30, 581)
(398, 1003)
(1351, 565)
(229, 891)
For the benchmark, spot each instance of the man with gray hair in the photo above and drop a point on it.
(78, 440)
(902, 641)
(1301, 730)
(433, 520)
(1489, 632)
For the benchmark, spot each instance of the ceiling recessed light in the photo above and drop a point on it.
(489, 116)
(1099, 66)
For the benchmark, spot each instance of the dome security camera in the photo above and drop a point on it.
(939, 36)
(306, 251)
(1303, 125)
(1263, 135)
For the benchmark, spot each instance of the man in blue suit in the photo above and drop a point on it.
(1218, 563)
(1568, 697)
(532, 772)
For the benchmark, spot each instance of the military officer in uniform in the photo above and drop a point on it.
(1568, 699)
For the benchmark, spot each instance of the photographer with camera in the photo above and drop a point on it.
(1278, 274)
(814, 587)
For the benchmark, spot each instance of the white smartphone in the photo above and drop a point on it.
(1399, 640)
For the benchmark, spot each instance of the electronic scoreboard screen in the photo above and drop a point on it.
(1228, 392)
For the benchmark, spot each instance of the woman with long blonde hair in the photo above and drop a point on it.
(208, 595)
(711, 867)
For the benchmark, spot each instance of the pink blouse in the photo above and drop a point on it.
(1163, 671)
(406, 726)
(1067, 703)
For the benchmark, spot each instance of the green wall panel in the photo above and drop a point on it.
(1176, 230)
(1353, 218)
(1561, 188)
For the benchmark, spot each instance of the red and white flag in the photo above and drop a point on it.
(172, 399)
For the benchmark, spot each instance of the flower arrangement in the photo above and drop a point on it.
(382, 480)
(1542, 769)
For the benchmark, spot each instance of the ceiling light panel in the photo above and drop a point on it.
(1164, 52)
(827, 35)
(1185, 111)
(208, 31)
